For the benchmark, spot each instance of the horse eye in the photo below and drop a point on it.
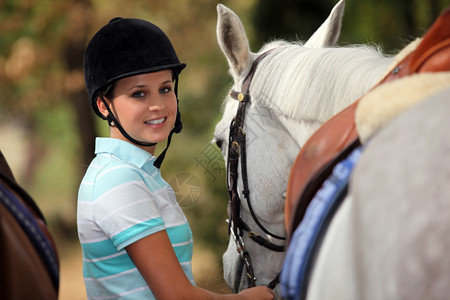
(219, 144)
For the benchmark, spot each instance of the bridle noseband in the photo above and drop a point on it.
(237, 152)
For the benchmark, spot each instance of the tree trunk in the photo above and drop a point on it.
(86, 126)
(73, 52)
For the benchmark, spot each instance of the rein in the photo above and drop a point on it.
(237, 153)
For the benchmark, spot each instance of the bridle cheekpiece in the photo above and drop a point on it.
(237, 153)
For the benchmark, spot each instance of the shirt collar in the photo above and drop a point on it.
(125, 151)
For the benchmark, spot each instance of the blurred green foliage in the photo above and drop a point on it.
(44, 108)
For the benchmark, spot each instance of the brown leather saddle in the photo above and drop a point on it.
(336, 138)
(29, 260)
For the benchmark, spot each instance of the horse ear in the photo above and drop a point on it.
(232, 39)
(328, 33)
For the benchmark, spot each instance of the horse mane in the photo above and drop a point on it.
(315, 83)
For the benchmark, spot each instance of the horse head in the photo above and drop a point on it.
(294, 89)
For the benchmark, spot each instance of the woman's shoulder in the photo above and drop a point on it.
(117, 176)
(112, 167)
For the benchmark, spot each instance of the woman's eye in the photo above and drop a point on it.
(165, 90)
(138, 94)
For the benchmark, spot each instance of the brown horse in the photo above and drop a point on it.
(29, 260)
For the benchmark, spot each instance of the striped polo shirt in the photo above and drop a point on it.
(123, 198)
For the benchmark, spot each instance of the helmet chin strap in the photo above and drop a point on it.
(112, 121)
(178, 126)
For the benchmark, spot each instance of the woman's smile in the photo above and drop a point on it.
(156, 123)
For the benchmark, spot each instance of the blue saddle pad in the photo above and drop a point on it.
(306, 238)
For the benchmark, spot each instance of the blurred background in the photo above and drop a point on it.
(47, 128)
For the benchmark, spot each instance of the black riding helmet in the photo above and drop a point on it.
(126, 47)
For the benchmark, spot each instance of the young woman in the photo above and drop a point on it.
(136, 241)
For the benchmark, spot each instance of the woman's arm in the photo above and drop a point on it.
(156, 261)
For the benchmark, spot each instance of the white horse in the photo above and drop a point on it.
(390, 237)
(295, 88)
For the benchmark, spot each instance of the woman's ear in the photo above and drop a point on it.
(102, 107)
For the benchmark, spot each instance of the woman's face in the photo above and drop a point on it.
(146, 107)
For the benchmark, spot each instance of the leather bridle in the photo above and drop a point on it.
(237, 153)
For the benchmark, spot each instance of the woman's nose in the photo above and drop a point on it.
(156, 103)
